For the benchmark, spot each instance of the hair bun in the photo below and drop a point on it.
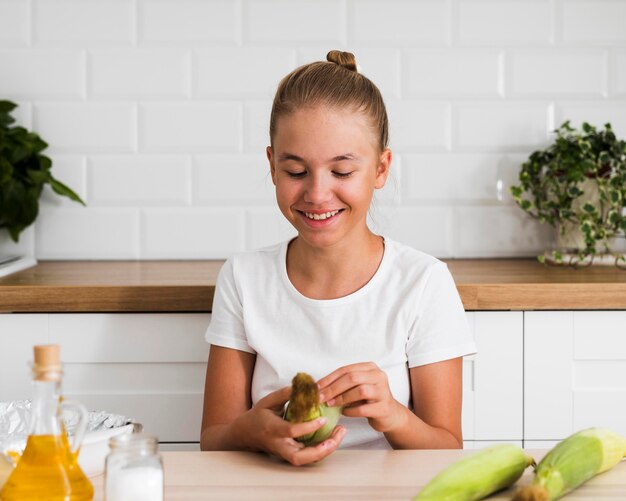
(344, 59)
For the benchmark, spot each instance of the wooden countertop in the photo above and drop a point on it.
(363, 475)
(188, 286)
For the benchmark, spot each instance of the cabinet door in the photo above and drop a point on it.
(574, 372)
(493, 379)
(18, 334)
(149, 367)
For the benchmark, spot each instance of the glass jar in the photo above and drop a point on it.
(133, 469)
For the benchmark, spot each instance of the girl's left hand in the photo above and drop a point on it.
(363, 390)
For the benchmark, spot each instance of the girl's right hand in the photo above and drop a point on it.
(263, 427)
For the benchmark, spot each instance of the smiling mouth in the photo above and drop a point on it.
(320, 216)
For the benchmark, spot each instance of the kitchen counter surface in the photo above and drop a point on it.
(188, 286)
(358, 475)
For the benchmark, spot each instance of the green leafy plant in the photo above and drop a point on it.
(24, 171)
(578, 183)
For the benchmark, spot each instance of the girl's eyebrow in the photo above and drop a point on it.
(338, 158)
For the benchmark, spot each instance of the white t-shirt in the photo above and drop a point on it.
(408, 314)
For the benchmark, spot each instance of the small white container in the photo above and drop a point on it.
(133, 469)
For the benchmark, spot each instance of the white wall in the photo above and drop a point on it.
(156, 112)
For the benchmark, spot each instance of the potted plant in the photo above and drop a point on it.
(578, 185)
(24, 171)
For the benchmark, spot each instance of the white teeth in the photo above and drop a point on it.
(326, 215)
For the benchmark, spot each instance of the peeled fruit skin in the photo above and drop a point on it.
(304, 406)
(478, 475)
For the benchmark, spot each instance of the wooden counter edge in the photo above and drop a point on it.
(101, 299)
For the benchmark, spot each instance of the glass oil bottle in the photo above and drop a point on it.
(48, 468)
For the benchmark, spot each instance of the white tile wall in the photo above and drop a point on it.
(495, 23)
(83, 24)
(14, 23)
(593, 22)
(140, 73)
(156, 112)
(188, 22)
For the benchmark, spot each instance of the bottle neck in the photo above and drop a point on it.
(46, 414)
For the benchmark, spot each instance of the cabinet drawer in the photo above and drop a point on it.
(130, 337)
(575, 362)
(493, 378)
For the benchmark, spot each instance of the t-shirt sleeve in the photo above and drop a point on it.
(440, 331)
(227, 327)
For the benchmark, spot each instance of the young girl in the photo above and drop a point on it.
(379, 325)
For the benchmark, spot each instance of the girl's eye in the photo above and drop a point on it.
(342, 174)
(296, 174)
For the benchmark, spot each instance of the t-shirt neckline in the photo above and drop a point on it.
(380, 271)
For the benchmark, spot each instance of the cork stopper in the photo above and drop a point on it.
(47, 362)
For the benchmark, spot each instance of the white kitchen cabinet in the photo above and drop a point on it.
(18, 334)
(574, 367)
(149, 367)
(538, 376)
(492, 379)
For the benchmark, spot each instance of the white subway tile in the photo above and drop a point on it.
(191, 233)
(87, 233)
(69, 170)
(84, 23)
(14, 23)
(23, 114)
(456, 73)
(425, 228)
(454, 178)
(25, 245)
(139, 180)
(398, 22)
(552, 73)
(619, 73)
(142, 73)
(256, 126)
(305, 21)
(419, 125)
(266, 226)
(242, 72)
(181, 22)
(593, 21)
(495, 22)
(232, 180)
(596, 114)
(190, 127)
(86, 127)
(498, 232)
(381, 66)
(32, 73)
(500, 126)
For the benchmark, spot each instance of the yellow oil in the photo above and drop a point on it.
(47, 470)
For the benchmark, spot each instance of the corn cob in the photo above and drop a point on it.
(478, 475)
(572, 462)
(304, 405)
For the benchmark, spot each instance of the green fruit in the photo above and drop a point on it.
(304, 405)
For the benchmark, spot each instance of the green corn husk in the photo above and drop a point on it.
(477, 476)
(304, 405)
(573, 461)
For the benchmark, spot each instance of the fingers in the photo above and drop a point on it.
(338, 373)
(354, 386)
(306, 455)
(360, 394)
(275, 400)
(295, 430)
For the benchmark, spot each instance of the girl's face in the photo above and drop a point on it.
(326, 164)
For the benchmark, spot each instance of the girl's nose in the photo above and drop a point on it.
(317, 190)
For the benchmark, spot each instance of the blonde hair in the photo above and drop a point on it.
(334, 83)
